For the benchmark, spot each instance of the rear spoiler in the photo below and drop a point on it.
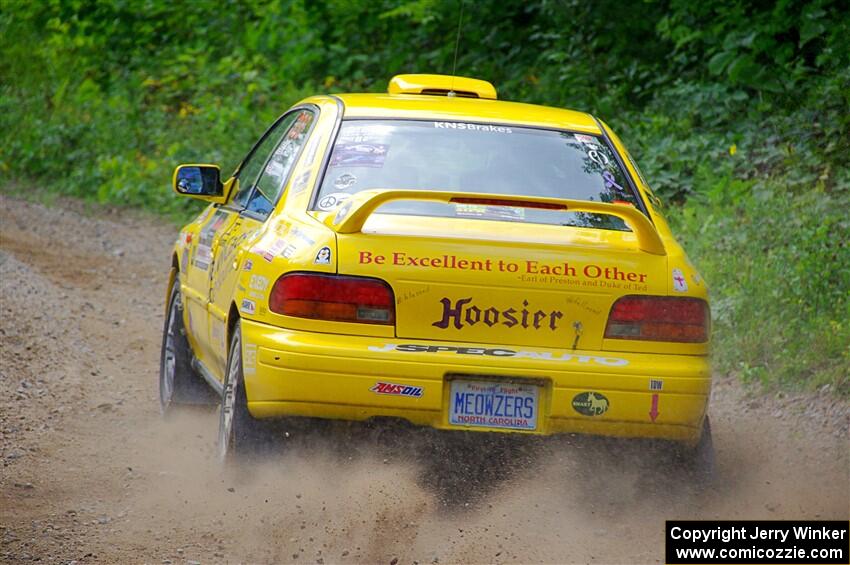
(354, 212)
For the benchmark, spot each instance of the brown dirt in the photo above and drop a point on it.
(91, 473)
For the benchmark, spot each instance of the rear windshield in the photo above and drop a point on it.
(473, 157)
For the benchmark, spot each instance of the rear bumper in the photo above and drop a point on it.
(298, 373)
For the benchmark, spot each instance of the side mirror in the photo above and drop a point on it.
(199, 181)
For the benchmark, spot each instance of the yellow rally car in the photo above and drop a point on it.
(435, 255)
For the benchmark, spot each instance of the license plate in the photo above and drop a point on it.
(493, 404)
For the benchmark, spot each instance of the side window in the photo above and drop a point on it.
(251, 167)
(271, 182)
(656, 202)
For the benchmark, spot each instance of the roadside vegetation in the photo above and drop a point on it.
(738, 112)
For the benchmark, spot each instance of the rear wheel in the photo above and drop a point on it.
(239, 433)
(699, 461)
(179, 384)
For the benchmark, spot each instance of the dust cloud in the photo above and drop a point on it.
(374, 493)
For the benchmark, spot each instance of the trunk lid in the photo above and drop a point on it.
(500, 282)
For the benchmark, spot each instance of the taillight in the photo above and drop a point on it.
(333, 298)
(659, 318)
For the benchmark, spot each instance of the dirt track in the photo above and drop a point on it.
(89, 471)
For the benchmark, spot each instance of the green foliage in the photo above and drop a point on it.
(738, 111)
(778, 266)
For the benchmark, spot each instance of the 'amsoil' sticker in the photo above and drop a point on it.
(590, 404)
(396, 389)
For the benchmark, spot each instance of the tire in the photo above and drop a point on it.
(179, 384)
(239, 433)
(699, 461)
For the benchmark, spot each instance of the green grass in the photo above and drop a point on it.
(778, 267)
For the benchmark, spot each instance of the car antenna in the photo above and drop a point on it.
(451, 91)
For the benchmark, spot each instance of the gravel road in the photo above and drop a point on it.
(90, 473)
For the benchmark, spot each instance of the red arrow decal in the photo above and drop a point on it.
(653, 412)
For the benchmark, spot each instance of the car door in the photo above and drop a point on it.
(215, 227)
(196, 276)
(277, 158)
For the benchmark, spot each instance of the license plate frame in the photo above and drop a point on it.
(479, 405)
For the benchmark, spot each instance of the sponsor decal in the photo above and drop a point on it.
(277, 246)
(300, 125)
(248, 306)
(464, 313)
(582, 138)
(656, 384)
(590, 403)
(323, 257)
(598, 157)
(300, 183)
(359, 155)
(527, 267)
(342, 212)
(281, 228)
(332, 200)
(276, 169)
(226, 256)
(205, 214)
(302, 235)
(247, 265)
(258, 282)
(203, 257)
(493, 212)
(472, 127)
(249, 358)
(679, 282)
(310, 152)
(288, 251)
(360, 135)
(203, 253)
(217, 221)
(396, 389)
(345, 181)
(501, 352)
